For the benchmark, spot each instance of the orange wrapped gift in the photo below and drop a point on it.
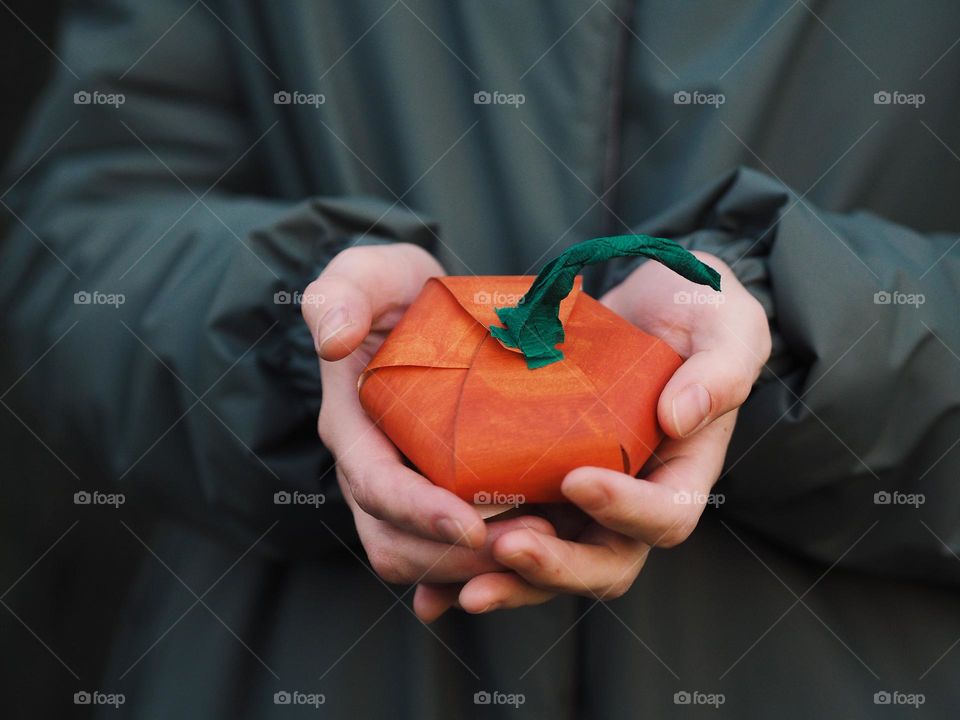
(496, 387)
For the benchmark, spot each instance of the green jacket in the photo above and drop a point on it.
(790, 139)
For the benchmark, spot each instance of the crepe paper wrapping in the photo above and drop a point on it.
(471, 417)
(533, 325)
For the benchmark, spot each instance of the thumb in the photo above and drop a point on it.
(360, 285)
(708, 385)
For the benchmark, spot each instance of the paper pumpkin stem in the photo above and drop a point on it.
(533, 325)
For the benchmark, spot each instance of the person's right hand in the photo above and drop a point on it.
(411, 530)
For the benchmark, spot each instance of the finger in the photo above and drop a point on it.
(708, 448)
(404, 559)
(731, 343)
(390, 491)
(358, 286)
(487, 591)
(431, 600)
(376, 478)
(664, 508)
(377, 483)
(604, 570)
(500, 591)
(707, 386)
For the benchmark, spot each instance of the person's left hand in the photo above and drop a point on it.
(604, 535)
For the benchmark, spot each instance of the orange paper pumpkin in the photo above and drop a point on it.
(469, 412)
(474, 419)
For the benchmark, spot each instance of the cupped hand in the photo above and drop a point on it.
(411, 530)
(604, 536)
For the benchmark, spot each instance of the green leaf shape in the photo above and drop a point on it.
(533, 325)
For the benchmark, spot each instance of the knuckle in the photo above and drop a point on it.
(354, 261)
(740, 390)
(314, 290)
(324, 423)
(346, 259)
(617, 589)
(679, 531)
(761, 325)
(736, 384)
(420, 257)
(359, 482)
(388, 565)
(364, 481)
(538, 524)
(342, 272)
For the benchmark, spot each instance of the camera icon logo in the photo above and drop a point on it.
(682, 97)
(282, 697)
(82, 97)
(482, 97)
(882, 698)
(82, 698)
(481, 698)
(82, 298)
(882, 98)
(282, 97)
(882, 498)
(482, 498)
(882, 297)
(282, 297)
(282, 498)
(82, 497)
(682, 698)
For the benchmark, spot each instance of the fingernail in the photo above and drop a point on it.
(491, 607)
(690, 409)
(451, 530)
(330, 325)
(523, 559)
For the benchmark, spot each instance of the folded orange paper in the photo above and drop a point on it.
(473, 417)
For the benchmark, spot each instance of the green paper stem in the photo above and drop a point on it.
(533, 325)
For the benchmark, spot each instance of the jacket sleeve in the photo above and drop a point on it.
(149, 272)
(856, 417)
